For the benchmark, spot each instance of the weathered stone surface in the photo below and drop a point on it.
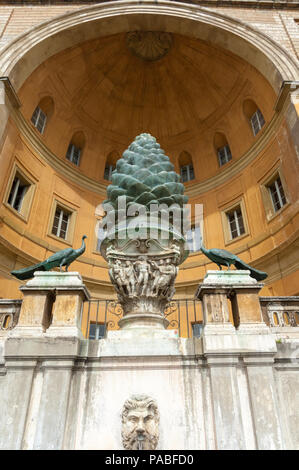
(240, 288)
(228, 277)
(52, 305)
(73, 391)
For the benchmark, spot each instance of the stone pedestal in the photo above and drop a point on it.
(248, 331)
(52, 305)
(220, 287)
(143, 273)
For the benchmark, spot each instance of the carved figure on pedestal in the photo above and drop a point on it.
(116, 274)
(140, 423)
(143, 269)
(165, 275)
(130, 278)
(156, 276)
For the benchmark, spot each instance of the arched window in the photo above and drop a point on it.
(254, 116)
(222, 148)
(75, 148)
(42, 113)
(186, 167)
(110, 165)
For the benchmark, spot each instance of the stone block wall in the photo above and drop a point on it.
(281, 23)
(66, 393)
(234, 387)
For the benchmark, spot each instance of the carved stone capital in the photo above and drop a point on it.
(143, 273)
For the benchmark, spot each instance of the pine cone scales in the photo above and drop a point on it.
(145, 176)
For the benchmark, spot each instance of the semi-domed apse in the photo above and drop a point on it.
(221, 121)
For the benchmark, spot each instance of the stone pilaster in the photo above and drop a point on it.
(264, 402)
(50, 428)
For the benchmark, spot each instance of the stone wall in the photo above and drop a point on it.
(281, 23)
(61, 393)
(232, 388)
(268, 244)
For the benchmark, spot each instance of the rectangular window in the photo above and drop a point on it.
(193, 237)
(100, 235)
(108, 172)
(257, 121)
(236, 223)
(39, 119)
(17, 193)
(96, 330)
(277, 194)
(73, 154)
(61, 223)
(197, 329)
(187, 173)
(224, 155)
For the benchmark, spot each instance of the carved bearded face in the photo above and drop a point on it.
(140, 423)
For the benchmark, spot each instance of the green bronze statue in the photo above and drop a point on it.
(225, 258)
(59, 259)
(144, 177)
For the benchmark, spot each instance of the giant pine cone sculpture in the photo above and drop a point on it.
(145, 176)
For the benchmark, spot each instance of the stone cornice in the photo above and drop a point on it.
(10, 92)
(286, 88)
(35, 142)
(76, 176)
(239, 165)
(51, 36)
(9, 221)
(260, 4)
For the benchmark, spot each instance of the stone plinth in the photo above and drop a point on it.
(249, 332)
(52, 304)
(143, 320)
(237, 286)
(231, 277)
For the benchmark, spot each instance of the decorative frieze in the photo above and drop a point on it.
(143, 278)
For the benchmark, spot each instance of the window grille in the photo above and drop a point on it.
(73, 154)
(61, 223)
(236, 224)
(39, 119)
(277, 194)
(257, 121)
(224, 155)
(187, 172)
